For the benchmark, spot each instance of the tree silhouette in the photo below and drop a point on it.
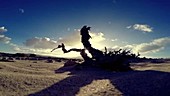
(116, 60)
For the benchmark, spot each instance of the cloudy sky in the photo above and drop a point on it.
(38, 26)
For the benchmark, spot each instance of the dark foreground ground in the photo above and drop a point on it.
(23, 77)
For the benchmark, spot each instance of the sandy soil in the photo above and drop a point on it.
(29, 78)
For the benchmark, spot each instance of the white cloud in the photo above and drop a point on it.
(2, 29)
(124, 42)
(97, 37)
(26, 49)
(43, 43)
(40, 51)
(70, 39)
(21, 10)
(162, 41)
(150, 47)
(153, 46)
(114, 40)
(141, 27)
(128, 27)
(4, 39)
(74, 40)
(97, 40)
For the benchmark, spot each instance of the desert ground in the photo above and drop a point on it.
(30, 78)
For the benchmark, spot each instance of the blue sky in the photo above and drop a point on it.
(37, 26)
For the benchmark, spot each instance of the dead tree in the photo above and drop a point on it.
(115, 61)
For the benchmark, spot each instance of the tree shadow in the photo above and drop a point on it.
(133, 83)
(143, 83)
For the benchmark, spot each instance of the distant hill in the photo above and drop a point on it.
(31, 56)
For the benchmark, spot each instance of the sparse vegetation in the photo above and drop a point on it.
(115, 60)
